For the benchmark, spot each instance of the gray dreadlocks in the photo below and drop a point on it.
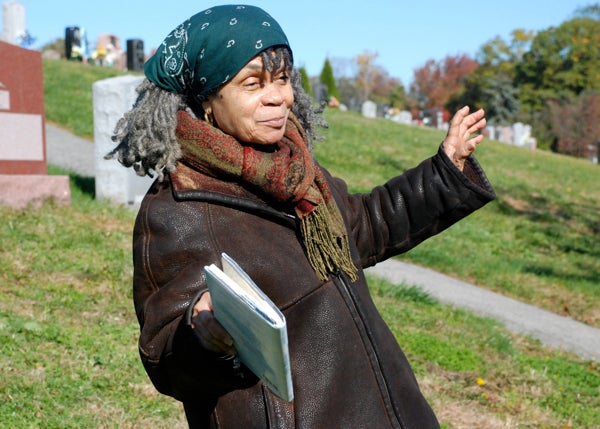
(146, 133)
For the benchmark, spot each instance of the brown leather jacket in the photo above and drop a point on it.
(348, 370)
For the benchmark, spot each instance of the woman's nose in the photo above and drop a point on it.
(273, 94)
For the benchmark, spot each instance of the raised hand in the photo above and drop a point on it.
(464, 135)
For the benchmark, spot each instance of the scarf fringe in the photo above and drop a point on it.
(327, 252)
(288, 174)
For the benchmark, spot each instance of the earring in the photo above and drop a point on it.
(208, 117)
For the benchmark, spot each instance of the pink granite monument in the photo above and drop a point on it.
(24, 179)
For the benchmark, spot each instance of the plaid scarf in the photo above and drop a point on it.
(287, 175)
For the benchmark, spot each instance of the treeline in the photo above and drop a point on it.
(548, 79)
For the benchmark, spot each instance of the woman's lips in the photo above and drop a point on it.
(274, 122)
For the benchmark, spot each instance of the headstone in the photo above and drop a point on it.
(519, 133)
(319, 92)
(439, 120)
(13, 22)
(403, 117)
(109, 52)
(112, 98)
(522, 136)
(369, 109)
(592, 154)
(505, 134)
(24, 179)
(76, 44)
(135, 55)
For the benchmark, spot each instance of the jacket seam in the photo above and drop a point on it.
(372, 352)
(146, 250)
(148, 273)
(211, 233)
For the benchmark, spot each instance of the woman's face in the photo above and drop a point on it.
(254, 105)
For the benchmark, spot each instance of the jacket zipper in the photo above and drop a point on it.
(348, 297)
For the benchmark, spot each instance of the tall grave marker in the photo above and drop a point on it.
(24, 176)
(112, 98)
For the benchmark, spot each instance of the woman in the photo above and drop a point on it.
(223, 122)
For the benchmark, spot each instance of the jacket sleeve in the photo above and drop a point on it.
(423, 201)
(168, 276)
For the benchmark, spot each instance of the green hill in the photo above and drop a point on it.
(539, 242)
(68, 331)
(68, 94)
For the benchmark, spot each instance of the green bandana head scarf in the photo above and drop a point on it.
(211, 47)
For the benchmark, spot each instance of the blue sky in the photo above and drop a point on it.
(405, 34)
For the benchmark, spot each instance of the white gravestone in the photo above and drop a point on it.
(112, 98)
(369, 109)
(403, 117)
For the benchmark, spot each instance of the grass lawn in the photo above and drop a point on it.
(68, 332)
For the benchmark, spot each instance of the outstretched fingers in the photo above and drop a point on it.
(478, 126)
(464, 135)
(474, 122)
(472, 143)
(472, 136)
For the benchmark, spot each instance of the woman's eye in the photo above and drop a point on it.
(251, 83)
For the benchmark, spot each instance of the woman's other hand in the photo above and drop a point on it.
(464, 135)
(208, 330)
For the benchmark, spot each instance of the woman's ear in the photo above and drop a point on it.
(206, 106)
(208, 114)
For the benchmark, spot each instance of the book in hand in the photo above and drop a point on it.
(255, 324)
